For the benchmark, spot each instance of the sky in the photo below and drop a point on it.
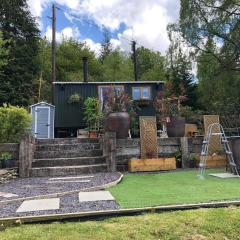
(145, 21)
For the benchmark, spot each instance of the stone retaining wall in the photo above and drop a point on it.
(167, 147)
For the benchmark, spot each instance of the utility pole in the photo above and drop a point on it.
(53, 49)
(134, 58)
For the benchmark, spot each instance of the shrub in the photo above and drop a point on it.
(14, 123)
(92, 113)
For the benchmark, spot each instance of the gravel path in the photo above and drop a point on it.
(30, 187)
(68, 204)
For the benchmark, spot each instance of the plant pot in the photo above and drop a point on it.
(7, 163)
(118, 122)
(192, 164)
(179, 164)
(176, 127)
(93, 134)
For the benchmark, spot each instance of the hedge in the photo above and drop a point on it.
(14, 123)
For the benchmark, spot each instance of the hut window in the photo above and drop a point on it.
(103, 89)
(141, 93)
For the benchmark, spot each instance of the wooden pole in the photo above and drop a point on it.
(134, 60)
(53, 49)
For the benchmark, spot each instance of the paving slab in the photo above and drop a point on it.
(7, 195)
(66, 178)
(95, 196)
(224, 175)
(39, 205)
(70, 181)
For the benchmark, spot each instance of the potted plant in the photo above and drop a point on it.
(74, 98)
(169, 109)
(6, 159)
(92, 116)
(117, 109)
(192, 161)
(178, 156)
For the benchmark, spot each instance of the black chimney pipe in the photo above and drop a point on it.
(85, 69)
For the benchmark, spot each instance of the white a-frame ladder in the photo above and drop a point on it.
(205, 148)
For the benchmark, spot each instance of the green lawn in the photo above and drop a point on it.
(140, 190)
(202, 224)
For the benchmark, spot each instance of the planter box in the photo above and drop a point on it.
(214, 161)
(154, 164)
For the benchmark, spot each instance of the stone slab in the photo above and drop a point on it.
(7, 195)
(95, 196)
(223, 175)
(70, 181)
(67, 178)
(39, 205)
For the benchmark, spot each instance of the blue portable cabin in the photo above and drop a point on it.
(69, 116)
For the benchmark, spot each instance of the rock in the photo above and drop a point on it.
(7, 174)
(2, 172)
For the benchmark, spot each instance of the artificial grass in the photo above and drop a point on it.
(202, 224)
(141, 190)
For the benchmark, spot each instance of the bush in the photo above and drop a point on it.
(14, 123)
(92, 113)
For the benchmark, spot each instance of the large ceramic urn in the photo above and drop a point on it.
(176, 127)
(118, 122)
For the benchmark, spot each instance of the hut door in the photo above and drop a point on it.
(42, 122)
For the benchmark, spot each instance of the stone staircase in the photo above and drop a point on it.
(67, 156)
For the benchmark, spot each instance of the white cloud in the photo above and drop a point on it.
(146, 19)
(93, 46)
(67, 32)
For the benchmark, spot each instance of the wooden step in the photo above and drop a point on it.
(53, 162)
(67, 140)
(68, 170)
(67, 154)
(66, 147)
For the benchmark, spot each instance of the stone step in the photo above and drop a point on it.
(67, 140)
(68, 170)
(66, 147)
(52, 162)
(67, 154)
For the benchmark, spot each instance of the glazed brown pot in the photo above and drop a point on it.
(176, 127)
(118, 122)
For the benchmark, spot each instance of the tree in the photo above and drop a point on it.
(218, 20)
(69, 66)
(218, 87)
(117, 66)
(150, 65)
(179, 68)
(212, 28)
(3, 52)
(208, 75)
(69, 61)
(19, 75)
(106, 47)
